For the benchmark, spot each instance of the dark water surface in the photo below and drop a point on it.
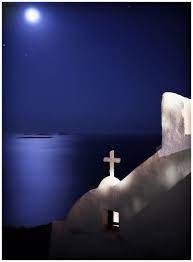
(43, 177)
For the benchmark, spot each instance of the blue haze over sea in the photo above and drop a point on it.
(43, 177)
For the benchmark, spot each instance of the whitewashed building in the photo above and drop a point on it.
(99, 225)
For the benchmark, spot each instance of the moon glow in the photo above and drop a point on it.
(32, 15)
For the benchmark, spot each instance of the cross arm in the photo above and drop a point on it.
(117, 160)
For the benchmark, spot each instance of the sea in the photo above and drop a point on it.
(45, 174)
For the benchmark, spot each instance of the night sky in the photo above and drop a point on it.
(93, 68)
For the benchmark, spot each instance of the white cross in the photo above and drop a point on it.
(111, 159)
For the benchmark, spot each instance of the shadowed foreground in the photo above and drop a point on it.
(160, 231)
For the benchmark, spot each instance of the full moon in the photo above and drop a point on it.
(32, 15)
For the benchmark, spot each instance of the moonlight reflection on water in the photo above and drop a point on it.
(42, 178)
